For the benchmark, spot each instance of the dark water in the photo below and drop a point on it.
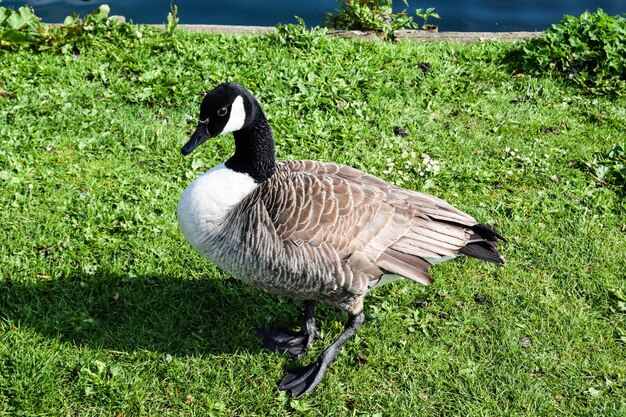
(456, 15)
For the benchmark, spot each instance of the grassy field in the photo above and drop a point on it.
(105, 310)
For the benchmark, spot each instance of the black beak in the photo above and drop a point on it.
(199, 136)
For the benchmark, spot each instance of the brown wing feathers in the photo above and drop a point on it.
(400, 263)
(397, 230)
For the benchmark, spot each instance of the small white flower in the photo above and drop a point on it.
(104, 9)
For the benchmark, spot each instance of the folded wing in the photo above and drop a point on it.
(358, 215)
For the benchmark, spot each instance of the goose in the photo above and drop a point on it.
(313, 231)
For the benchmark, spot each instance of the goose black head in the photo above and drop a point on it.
(227, 108)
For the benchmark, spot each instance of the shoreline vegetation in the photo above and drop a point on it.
(106, 310)
(399, 35)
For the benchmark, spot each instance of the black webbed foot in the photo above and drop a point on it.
(293, 344)
(300, 381)
(303, 380)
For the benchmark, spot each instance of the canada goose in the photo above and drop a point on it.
(311, 230)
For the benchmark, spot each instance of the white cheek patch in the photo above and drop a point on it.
(237, 116)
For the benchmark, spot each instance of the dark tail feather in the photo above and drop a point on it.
(483, 245)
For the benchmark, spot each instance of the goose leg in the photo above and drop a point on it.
(294, 344)
(302, 380)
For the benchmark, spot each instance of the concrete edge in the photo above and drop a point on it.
(422, 35)
(400, 35)
(226, 29)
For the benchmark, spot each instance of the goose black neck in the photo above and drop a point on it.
(254, 150)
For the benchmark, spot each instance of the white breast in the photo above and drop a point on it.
(207, 200)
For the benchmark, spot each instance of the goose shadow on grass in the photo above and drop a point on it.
(157, 313)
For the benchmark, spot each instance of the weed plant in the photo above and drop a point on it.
(105, 310)
(589, 50)
(609, 167)
(372, 15)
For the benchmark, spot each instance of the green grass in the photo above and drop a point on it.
(106, 310)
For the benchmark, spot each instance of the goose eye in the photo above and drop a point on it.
(222, 111)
